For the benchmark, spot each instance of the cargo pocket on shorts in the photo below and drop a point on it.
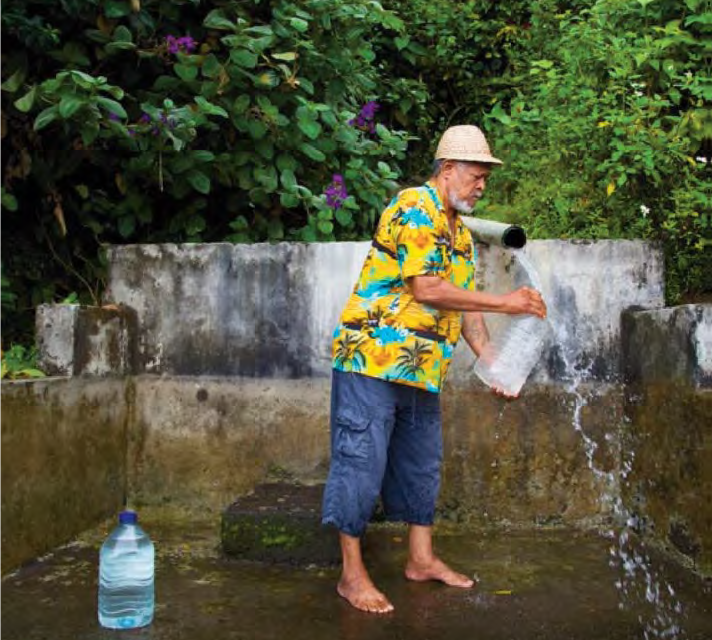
(354, 441)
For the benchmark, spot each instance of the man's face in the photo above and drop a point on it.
(466, 184)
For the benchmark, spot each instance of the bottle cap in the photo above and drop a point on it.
(128, 517)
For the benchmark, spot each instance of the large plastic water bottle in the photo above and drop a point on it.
(126, 576)
(508, 359)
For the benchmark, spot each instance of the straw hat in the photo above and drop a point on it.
(465, 142)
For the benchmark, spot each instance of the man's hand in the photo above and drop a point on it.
(526, 301)
(442, 294)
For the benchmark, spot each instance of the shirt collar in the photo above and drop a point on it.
(437, 199)
(435, 195)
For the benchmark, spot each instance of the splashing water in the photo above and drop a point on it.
(639, 585)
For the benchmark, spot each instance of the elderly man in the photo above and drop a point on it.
(392, 348)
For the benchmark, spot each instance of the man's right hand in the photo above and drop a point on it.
(526, 301)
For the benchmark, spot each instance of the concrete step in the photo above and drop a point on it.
(279, 522)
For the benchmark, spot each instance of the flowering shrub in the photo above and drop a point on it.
(336, 192)
(365, 120)
(184, 44)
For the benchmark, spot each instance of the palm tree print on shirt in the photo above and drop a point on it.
(410, 361)
(348, 355)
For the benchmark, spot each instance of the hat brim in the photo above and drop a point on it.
(472, 157)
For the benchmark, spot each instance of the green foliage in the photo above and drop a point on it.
(604, 130)
(180, 121)
(247, 120)
(8, 298)
(19, 362)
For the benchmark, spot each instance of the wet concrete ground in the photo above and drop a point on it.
(544, 584)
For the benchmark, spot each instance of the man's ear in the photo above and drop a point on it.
(448, 167)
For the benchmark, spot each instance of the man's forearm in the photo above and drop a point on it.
(441, 294)
(474, 330)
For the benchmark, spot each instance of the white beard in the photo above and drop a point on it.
(461, 206)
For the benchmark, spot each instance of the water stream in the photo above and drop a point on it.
(639, 585)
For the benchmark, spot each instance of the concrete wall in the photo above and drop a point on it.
(63, 460)
(667, 355)
(74, 340)
(269, 310)
(240, 336)
(198, 442)
(669, 345)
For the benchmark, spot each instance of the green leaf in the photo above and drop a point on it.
(203, 156)
(241, 104)
(287, 56)
(216, 20)
(275, 230)
(70, 104)
(199, 181)
(25, 103)
(209, 108)
(45, 117)
(299, 25)
(89, 132)
(257, 129)
(112, 106)
(401, 42)
(267, 177)
(84, 80)
(261, 30)
(307, 85)
(116, 47)
(122, 34)
(14, 82)
(325, 226)
(9, 201)
(196, 224)
(265, 148)
(211, 66)
(244, 58)
(312, 152)
(33, 373)
(311, 128)
(288, 179)
(288, 200)
(117, 8)
(185, 72)
(286, 162)
(343, 217)
(127, 225)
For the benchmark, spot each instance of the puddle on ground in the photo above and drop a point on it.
(543, 584)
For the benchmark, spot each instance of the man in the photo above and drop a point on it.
(392, 348)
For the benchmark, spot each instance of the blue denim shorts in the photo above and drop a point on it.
(386, 439)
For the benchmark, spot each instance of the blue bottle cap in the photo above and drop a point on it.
(128, 517)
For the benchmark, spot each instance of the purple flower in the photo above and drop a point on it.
(336, 192)
(365, 118)
(184, 44)
(145, 118)
(114, 118)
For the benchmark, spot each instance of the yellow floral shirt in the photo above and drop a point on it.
(383, 331)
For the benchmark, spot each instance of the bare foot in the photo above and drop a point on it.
(436, 569)
(362, 594)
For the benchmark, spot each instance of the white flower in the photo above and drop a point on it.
(644, 210)
(701, 159)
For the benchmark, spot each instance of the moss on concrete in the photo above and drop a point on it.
(279, 522)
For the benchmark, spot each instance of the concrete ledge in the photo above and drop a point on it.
(672, 344)
(76, 340)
